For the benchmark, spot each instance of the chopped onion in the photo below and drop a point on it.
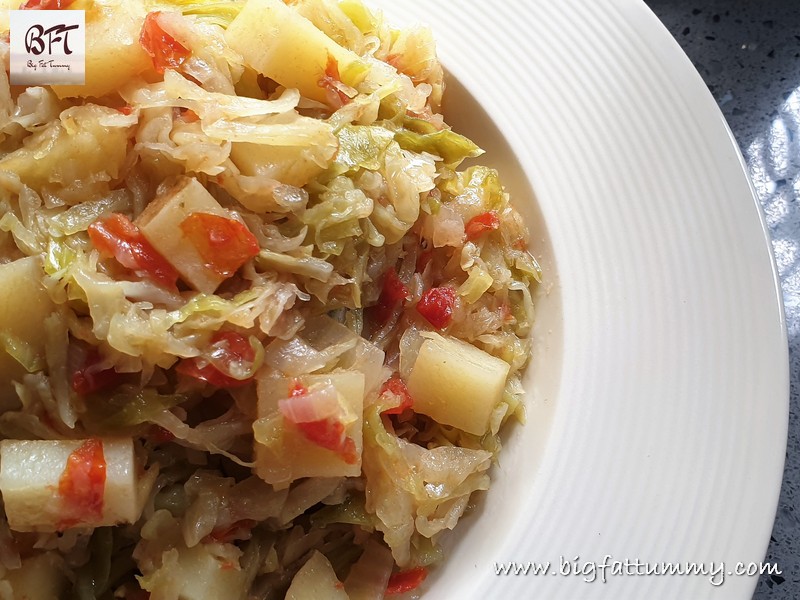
(410, 343)
(318, 403)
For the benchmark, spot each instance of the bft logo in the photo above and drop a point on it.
(48, 47)
(38, 39)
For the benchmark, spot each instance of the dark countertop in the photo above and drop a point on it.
(748, 52)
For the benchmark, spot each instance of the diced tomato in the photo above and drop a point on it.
(165, 50)
(436, 305)
(398, 387)
(329, 433)
(297, 389)
(126, 110)
(393, 294)
(115, 236)
(506, 312)
(229, 565)
(330, 83)
(82, 484)
(224, 244)
(230, 348)
(45, 4)
(90, 379)
(189, 116)
(477, 226)
(159, 435)
(240, 530)
(396, 60)
(405, 581)
(423, 260)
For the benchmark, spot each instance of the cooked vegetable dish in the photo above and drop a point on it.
(260, 328)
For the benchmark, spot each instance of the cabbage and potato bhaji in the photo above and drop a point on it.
(259, 328)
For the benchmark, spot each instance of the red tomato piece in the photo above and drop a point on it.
(436, 305)
(165, 50)
(189, 116)
(330, 83)
(297, 389)
(159, 435)
(393, 294)
(230, 348)
(423, 260)
(329, 433)
(477, 226)
(89, 379)
(224, 244)
(240, 530)
(45, 4)
(126, 110)
(405, 581)
(82, 484)
(115, 236)
(398, 387)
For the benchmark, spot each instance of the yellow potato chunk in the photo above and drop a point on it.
(160, 224)
(24, 305)
(316, 579)
(278, 42)
(292, 165)
(456, 383)
(41, 577)
(113, 53)
(203, 572)
(290, 454)
(77, 149)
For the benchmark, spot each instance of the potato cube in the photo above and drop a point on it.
(29, 481)
(456, 383)
(113, 53)
(316, 579)
(292, 165)
(278, 42)
(205, 572)
(24, 305)
(78, 151)
(293, 455)
(41, 577)
(160, 223)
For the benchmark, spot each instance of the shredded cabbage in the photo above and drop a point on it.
(240, 254)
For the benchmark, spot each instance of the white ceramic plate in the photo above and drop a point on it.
(658, 396)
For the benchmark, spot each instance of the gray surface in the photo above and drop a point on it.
(748, 52)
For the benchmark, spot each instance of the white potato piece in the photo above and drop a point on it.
(456, 383)
(5, 6)
(316, 579)
(113, 53)
(30, 472)
(41, 577)
(292, 165)
(160, 224)
(278, 42)
(293, 455)
(24, 305)
(204, 573)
